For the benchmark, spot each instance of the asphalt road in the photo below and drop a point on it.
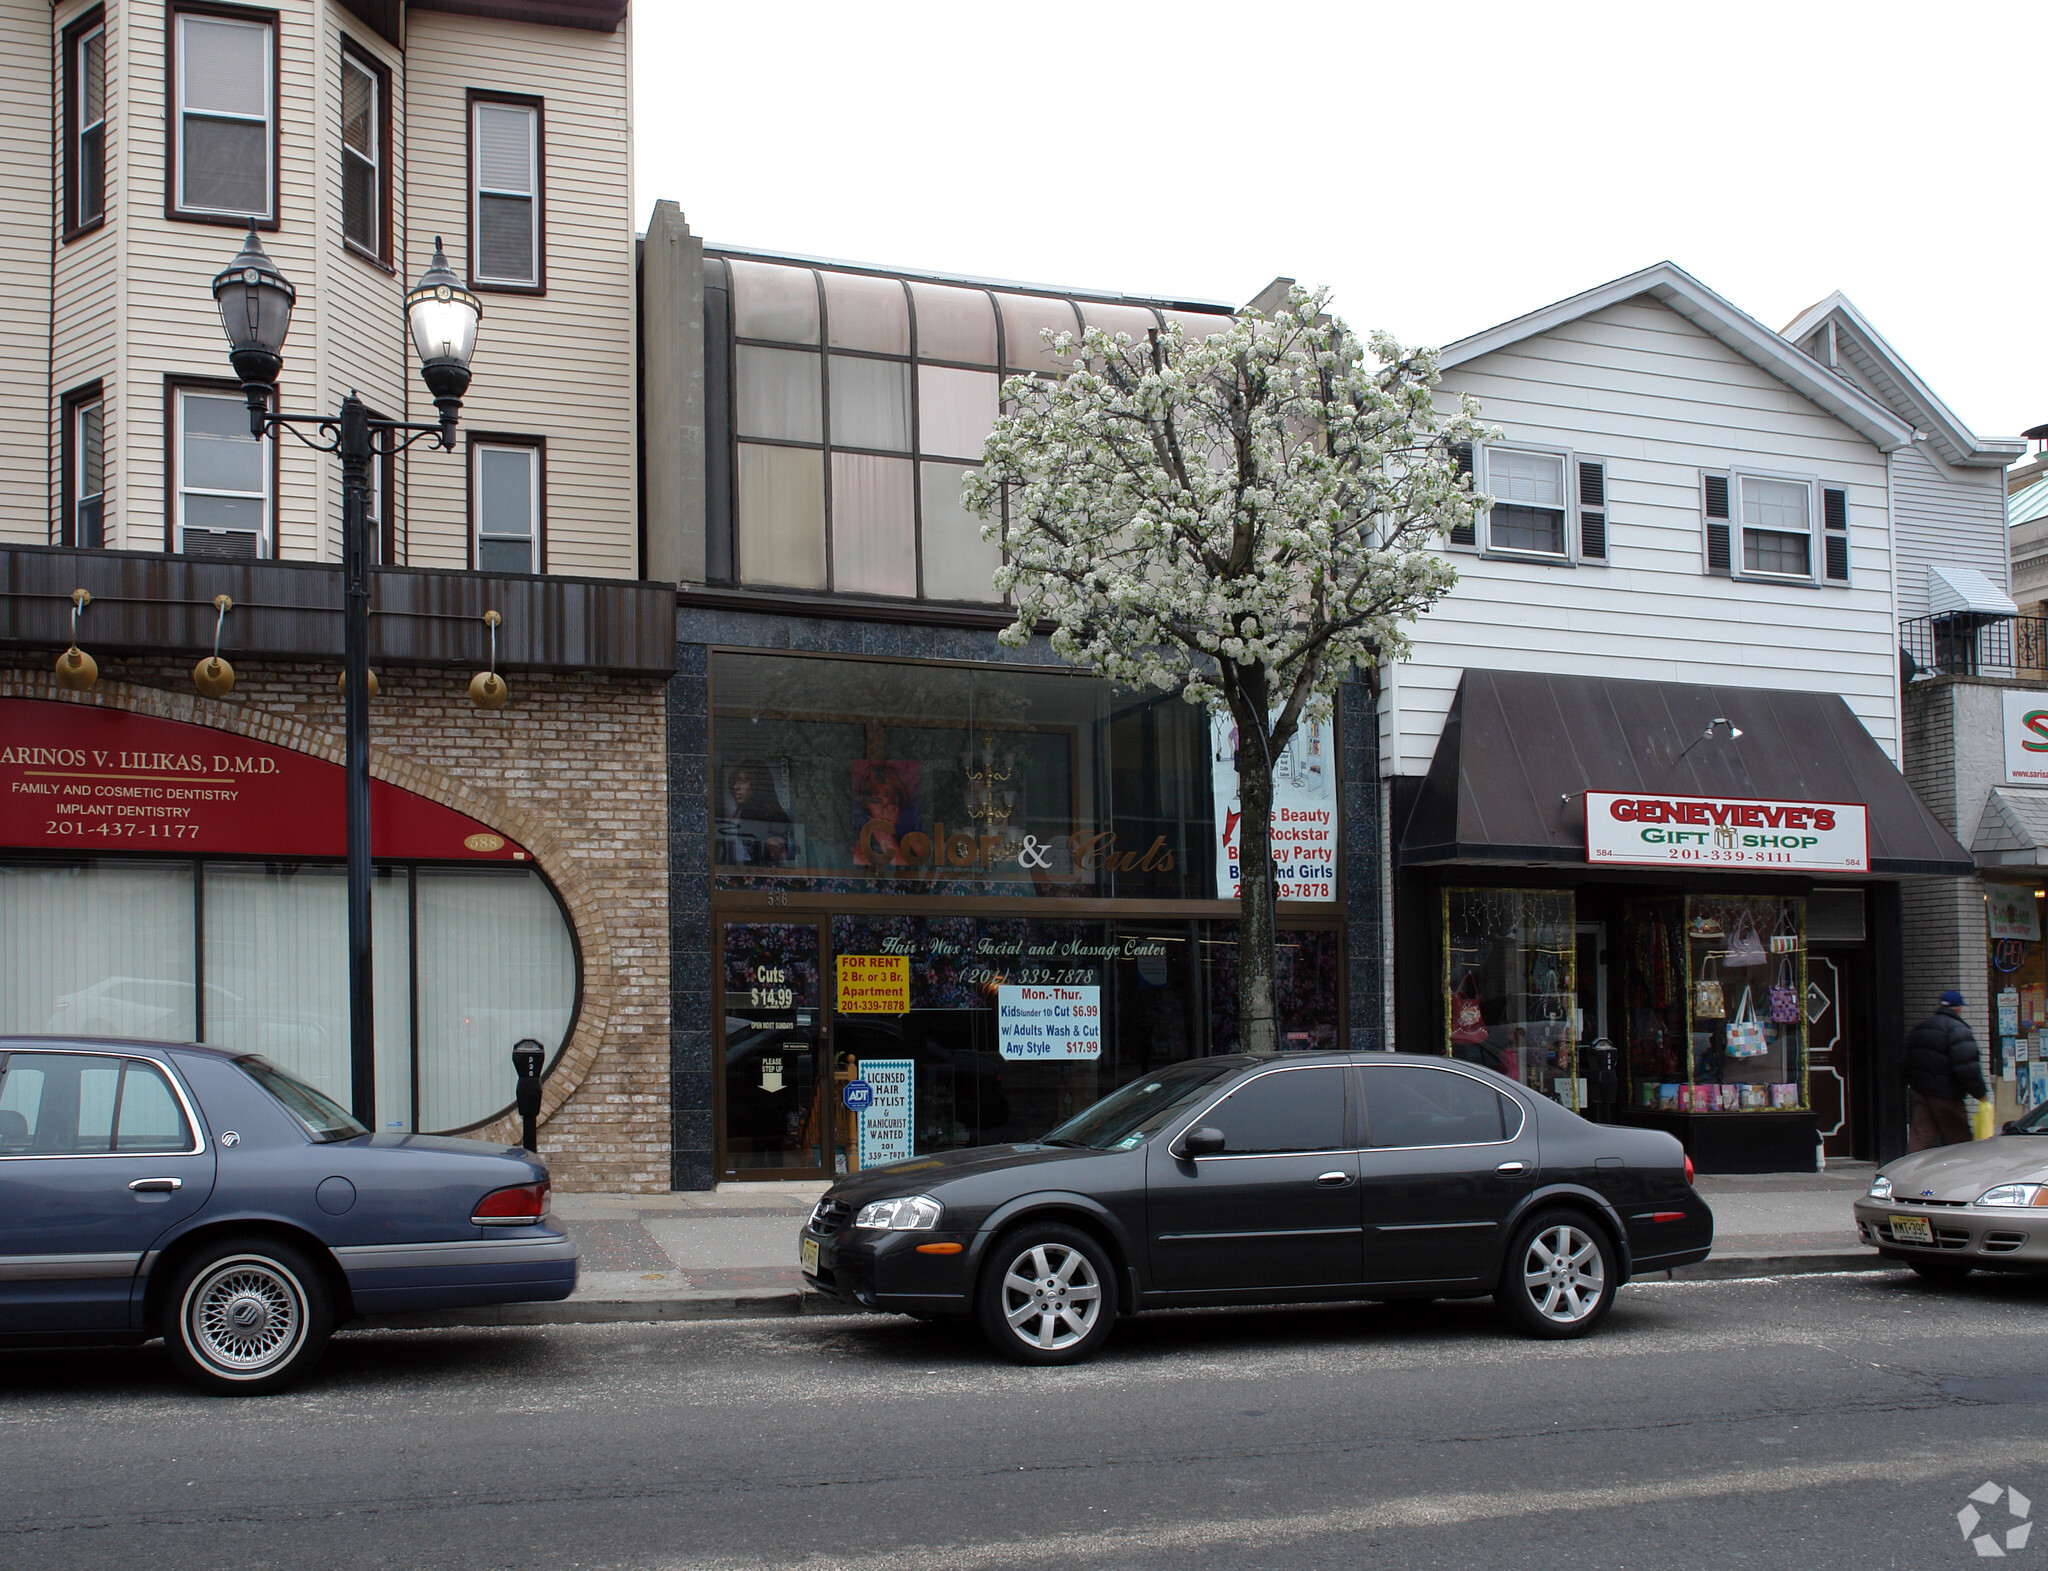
(1805, 1422)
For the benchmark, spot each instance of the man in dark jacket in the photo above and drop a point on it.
(1942, 1069)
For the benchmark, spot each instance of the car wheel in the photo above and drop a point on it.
(247, 1316)
(1048, 1295)
(1944, 1271)
(1559, 1278)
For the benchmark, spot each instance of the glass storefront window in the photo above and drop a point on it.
(1510, 986)
(851, 776)
(98, 949)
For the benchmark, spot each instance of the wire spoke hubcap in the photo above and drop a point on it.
(245, 1317)
(1051, 1297)
(1563, 1273)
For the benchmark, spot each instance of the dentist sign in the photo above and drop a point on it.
(1638, 829)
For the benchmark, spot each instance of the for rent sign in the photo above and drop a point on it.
(1639, 829)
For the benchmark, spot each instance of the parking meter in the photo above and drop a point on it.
(527, 1057)
(1606, 1083)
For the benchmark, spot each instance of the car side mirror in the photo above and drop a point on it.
(1202, 1142)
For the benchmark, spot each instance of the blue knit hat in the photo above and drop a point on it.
(1952, 998)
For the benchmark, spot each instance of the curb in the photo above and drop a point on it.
(790, 1306)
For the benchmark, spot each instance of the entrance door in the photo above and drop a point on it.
(1834, 993)
(780, 1107)
(1590, 1019)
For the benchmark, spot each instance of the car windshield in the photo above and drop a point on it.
(2035, 1123)
(323, 1118)
(1129, 1117)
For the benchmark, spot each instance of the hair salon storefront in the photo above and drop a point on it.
(953, 901)
(1596, 874)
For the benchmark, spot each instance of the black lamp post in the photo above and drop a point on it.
(255, 302)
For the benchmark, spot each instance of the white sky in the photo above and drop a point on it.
(1442, 167)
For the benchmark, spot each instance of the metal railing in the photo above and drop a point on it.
(1972, 644)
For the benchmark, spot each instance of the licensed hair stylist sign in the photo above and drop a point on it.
(1636, 829)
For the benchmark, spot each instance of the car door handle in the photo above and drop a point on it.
(156, 1186)
(1332, 1180)
(1512, 1167)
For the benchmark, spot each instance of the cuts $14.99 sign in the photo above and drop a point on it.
(1627, 828)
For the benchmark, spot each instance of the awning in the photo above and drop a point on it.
(1953, 591)
(1517, 743)
(2013, 831)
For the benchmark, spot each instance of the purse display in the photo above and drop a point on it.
(1745, 1031)
(1784, 995)
(1745, 948)
(1468, 1021)
(1707, 1002)
(1785, 938)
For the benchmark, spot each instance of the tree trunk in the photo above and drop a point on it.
(1258, 1025)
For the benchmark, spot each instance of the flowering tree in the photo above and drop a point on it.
(1244, 518)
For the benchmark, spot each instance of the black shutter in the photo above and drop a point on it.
(1592, 511)
(1717, 524)
(1461, 455)
(1834, 517)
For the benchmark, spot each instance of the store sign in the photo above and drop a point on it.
(1303, 833)
(1049, 1022)
(2026, 737)
(2012, 912)
(874, 984)
(75, 777)
(1626, 828)
(884, 1124)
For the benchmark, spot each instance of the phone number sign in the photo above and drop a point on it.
(1631, 829)
(1049, 1022)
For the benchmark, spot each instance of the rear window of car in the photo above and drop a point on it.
(325, 1119)
(80, 1104)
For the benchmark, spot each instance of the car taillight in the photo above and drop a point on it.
(520, 1206)
(1688, 1170)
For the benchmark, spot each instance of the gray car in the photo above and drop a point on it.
(1981, 1206)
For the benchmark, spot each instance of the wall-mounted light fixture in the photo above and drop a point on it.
(1718, 723)
(76, 669)
(213, 676)
(487, 689)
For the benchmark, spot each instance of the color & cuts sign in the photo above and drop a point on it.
(75, 777)
(1633, 829)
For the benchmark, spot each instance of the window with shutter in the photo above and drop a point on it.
(1592, 511)
(1834, 517)
(506, 232)
(1528, 515)
(224, 128)
(1716, 502)
(1461, 455)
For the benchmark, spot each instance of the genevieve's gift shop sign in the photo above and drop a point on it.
(78, 778)
(1632, 829)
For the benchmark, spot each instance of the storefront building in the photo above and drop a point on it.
(929, 892)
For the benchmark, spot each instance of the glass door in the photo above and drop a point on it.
(780, 1108)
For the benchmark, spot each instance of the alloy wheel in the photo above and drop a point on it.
(1051, 1297)
(1563, 1273)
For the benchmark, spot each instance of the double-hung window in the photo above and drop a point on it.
(85, 123)
(224, 116)
(1779, 528)
(221, 478)
(507, 483)
(1529, 502)
(365, 153)
(505, 221)
(85, 470)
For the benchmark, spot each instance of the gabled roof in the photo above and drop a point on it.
(1672, 286)
(1880, 365)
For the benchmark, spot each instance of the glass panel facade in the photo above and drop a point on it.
(956, 410)
(954, 324)
(780, 395)
(1025, 317)
(778, 303)
(1510, 994)
(874, 529)
(870, 404)
(100, 948)
(1135, 320)
(958, 563)
(780, 527)
(867, 313)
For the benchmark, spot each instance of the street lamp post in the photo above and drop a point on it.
(255, 302)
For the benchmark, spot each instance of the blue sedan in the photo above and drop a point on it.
(219, 1202)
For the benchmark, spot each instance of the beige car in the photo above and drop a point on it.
(1982, 1206)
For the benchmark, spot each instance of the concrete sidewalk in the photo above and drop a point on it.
(732, 1252)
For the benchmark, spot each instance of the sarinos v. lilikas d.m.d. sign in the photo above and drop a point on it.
(1644, 829)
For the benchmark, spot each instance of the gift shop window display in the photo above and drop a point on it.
(1713, 993)
(2018, 988)
(1511, 985)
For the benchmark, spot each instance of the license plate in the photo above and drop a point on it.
(1912, 1229)
(808, 1253)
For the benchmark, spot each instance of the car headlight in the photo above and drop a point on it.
(2015, 1195)
(1880, 1188)
(900, 1216)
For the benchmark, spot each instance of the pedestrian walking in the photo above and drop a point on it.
(1942, 1069)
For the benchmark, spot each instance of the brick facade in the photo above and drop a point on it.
(574, 769)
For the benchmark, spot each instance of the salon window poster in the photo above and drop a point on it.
(1304, 822)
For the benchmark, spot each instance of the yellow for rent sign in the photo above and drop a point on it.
(874, 984)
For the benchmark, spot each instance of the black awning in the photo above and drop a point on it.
(1517, 743)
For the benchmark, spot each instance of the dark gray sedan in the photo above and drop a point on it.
(214, 1200)
(1241, 1180)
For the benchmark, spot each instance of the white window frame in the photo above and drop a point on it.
(532, 455)
(73, 534)
(1568, 488)
(269, 120)
(81, 126)
(478, 191)
(267, 468)
(1738, 544)
(375, 158)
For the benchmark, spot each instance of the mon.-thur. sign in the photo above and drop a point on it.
(1642, 829)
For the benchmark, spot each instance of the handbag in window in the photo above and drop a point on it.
(1745, 1031)
(1704, 924)
(1745, 948)
(1707, 1002)
(1784, 995)
(1785, 938)
(1468, 1022)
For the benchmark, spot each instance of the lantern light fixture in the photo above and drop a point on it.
(77, 670)
(443, 317)
(255, 302)
(487, 689)
(213, 676)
